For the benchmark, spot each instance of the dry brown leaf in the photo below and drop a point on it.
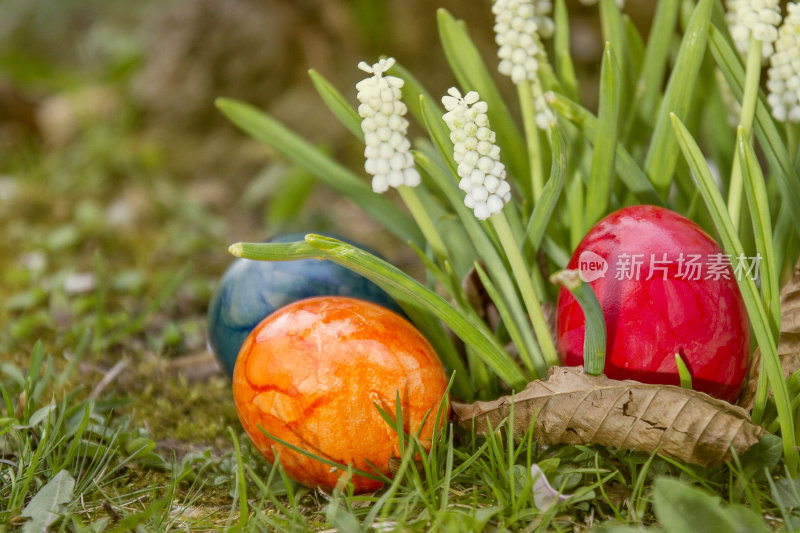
(574, 408)
(789, 341)
(748, 396)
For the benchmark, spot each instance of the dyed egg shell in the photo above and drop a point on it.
(663, 310)
(250, 290)
(311, 373)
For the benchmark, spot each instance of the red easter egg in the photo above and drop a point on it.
(311, 373)
(665, 288)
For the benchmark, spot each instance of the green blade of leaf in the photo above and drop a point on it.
(656, 55)
(44, 508)
(636, 47)
(543, 210)
(601, 178)
(628, 171)
(759, 320)
(337, 104)
(613, 29)
(270, 131)
(472, 74)
(595, 335)
(684, 375)
(756, 192)
(398, 284)
(680, 507)
(413, 91)
(563, 59)
(663, 153)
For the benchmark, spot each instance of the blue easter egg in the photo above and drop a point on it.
(250, 290)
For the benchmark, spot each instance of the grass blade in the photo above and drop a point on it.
(656, 56)
(614, 32)
(543, 210)
(663, 153)
(337, 104)
(601, 178)
(755, 309)
(756, 192)
(413, 92)
(563, 60)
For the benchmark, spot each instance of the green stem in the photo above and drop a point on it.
(762, 393)
(531, 137)
(576, 205)
(594, 339)
(417, 210)
(520, 271)
(752, 79)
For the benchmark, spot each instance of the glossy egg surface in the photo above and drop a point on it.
(665, 290)
(311, 374)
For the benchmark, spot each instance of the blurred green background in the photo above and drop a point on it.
(121, 185)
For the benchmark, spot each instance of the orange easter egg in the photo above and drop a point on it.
(311, 373)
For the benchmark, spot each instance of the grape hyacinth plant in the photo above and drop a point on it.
(517, 200)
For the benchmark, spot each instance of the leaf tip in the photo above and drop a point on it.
(569, 279)
(236, 249)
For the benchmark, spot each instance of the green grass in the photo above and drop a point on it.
(462, 483)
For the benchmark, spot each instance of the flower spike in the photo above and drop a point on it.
(784, 70)
(483, 176)
(757, 17)
(519, 25)
(383, 122)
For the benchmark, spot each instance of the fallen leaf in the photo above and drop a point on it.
(789, 341)
(574, 408)
(45, 507)
(748, 396)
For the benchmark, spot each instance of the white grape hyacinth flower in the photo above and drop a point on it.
(757, 17)
(784, 71)
(483, 176)
(388, 159)
(519, 24)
